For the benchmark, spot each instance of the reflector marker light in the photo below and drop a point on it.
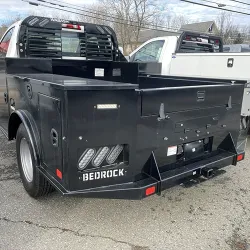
(150, 190)
(100, 156)
(115, 152)
(240, 157)
(59, 173)
(86, 158)
(107, 106)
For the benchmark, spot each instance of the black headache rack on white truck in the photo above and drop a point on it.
(109, 132)
(193, 42)
(53, 38)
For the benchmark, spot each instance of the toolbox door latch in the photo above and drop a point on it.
(162, 115)
(229, 103)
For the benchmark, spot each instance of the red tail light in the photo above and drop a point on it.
(188, 38)
(150, 190)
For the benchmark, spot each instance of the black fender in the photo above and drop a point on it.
(24, 117)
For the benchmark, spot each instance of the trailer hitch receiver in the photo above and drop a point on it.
(208, 173)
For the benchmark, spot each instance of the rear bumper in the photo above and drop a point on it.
(151, 185)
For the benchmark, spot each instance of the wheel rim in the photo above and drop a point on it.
(26, 160)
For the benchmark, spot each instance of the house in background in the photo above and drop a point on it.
(209, 27)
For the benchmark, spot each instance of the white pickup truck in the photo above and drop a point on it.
(199, 56)
(193, 55)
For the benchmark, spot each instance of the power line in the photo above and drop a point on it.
(218, 8)
(62, 4)
(240, 2)
(53, 5)
(100, 18)
(85, 9)
(57, 7)
(224, 5)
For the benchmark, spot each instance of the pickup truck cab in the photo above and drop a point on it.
(194, 55)
(165, 49)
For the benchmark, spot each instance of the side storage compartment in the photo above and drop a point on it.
(50, 132)
(101, 138)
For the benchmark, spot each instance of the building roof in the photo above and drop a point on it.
(147, 34)
(202, 27)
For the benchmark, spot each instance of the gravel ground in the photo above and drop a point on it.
(214, 214)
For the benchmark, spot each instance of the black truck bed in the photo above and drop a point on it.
(167, 129)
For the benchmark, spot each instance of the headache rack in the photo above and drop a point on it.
(42, 37)
(96, 47)
(191, 42)
(43, 43)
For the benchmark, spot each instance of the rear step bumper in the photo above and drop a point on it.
(151, 185)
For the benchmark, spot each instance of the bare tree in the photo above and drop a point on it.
(228, 30)
(129, 17)
(176, 21)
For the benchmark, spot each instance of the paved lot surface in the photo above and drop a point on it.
(214, 214)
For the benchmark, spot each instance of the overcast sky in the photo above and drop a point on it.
(12, 8)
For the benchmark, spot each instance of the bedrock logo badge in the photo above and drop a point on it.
(103, 174)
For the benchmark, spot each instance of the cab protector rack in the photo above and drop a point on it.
(100, 129)
(43, 37)
(191, 42)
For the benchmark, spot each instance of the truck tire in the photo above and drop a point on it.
(33, 181)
